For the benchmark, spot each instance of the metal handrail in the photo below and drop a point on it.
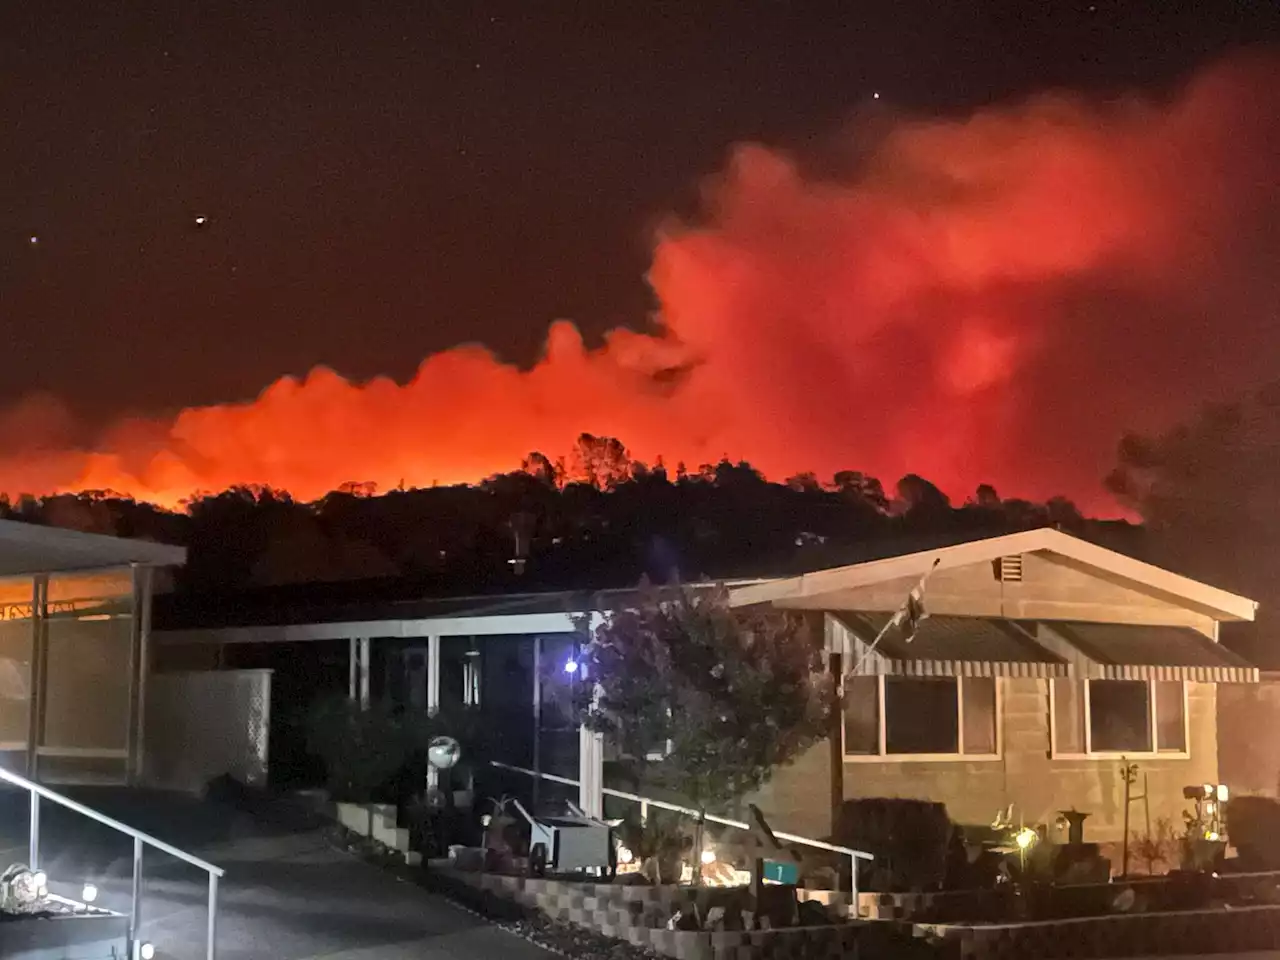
(646, 802)
(139, 839)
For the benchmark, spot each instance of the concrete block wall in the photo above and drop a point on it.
(1026, 775)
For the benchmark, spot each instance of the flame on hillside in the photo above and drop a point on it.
(994, 298)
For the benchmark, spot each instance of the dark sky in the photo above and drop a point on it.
(383, 180)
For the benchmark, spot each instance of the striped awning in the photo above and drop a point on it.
(943, 646)
(951, 646)
(1119, 651)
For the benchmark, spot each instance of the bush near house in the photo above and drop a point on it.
(1254, 827)
(909, 839)
(362, 749)
(378, 752)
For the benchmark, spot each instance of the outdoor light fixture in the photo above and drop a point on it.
(1025, 838)
(1223, 793)
(89, 893)
(486, 819)
(708, 857)
(571, 666)
(147, 951)
(625, 855)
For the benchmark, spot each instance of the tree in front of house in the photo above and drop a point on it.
(705, 699)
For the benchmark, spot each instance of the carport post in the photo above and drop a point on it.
(364, 673)
(433, 673)
(537, 718)
(433, 695)
(35, 703)
(139, 668)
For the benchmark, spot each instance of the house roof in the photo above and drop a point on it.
(28, 548)
(1220, 603)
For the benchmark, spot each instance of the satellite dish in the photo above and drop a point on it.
(443, 752)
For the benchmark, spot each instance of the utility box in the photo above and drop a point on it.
(570, 844)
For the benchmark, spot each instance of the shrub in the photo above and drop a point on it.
(908, 838)
(1254, 827)
(362, 749)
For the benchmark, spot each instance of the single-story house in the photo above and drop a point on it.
(1045, 663)
(1045, 660)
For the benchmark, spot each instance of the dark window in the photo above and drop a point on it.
(1120, 716)
(921, 716)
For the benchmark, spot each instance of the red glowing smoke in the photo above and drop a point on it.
(989, 299)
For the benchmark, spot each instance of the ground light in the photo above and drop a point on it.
(89, 893)
(146, 951)
(708, 857)
(1025, 839)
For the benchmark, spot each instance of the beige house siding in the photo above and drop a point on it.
(797, 797)
(1249, 736)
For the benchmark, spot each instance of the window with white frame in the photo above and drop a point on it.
(920, 717)
(1111, 717)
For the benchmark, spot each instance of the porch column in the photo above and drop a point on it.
(433, 673)
(433, 696)
(591, 772)
(835, 739)
(591, 748)
(353, 669)
(39, 661)
(139, 669)
(364, 672)
(537, 719)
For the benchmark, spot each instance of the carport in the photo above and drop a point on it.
(75, 619)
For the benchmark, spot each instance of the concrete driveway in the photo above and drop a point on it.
(286, 896)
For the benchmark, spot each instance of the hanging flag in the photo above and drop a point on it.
(912, 613)
(907, 619)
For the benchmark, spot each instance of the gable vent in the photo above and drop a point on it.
(1009, 569)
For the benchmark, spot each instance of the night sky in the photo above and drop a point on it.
(198, 199)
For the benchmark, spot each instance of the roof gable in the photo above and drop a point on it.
(1150, 579)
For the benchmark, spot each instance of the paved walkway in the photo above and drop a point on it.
(286, 895)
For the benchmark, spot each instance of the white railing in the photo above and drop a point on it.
(647, 802)
(139, 840)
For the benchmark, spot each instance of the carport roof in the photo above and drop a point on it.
(27, 548)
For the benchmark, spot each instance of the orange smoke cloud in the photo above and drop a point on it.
(991, 299)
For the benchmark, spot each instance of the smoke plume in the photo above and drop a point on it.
(994, 298)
